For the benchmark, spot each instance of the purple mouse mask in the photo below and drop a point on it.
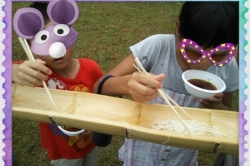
(53, 40)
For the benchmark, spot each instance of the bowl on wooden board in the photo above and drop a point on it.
(70, 131)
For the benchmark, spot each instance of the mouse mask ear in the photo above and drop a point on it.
(27, 22)
(63, 11)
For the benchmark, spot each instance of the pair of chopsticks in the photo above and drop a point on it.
(165, 96)
(28, 52)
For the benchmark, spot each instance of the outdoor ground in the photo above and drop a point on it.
(106, 30)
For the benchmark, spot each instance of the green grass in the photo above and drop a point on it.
(106, 30)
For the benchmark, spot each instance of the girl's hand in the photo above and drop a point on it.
(30, 73)
(144, 88)
(212, 102)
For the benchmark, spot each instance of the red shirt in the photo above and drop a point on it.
(57, 144)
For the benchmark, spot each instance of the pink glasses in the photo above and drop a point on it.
(218, 56)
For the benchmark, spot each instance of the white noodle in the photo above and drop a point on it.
(196, 127)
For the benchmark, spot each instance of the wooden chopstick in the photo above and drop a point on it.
(24, 47)
(28, 52)
(163, 94)
(169, 98)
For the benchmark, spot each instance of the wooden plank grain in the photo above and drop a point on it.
(124, 117)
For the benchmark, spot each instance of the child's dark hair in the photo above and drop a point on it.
(42, 7)
(210, 23)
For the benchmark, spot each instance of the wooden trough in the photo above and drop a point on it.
(123, 117)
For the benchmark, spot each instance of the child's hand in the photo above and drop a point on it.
(30, 73)
(212, 102)
(144, 88)
(85, 133)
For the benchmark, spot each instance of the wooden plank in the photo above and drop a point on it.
(123, 117)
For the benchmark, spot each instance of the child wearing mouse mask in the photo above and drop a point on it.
(52, 39)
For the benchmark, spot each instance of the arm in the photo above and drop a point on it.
(118, 85)
(128, 81)
(30, 73)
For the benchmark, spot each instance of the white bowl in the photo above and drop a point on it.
(205, 76)
(70, 133)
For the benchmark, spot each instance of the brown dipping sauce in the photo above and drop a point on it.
(70, 128)
(202, 84)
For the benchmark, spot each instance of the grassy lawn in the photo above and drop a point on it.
(106, 31)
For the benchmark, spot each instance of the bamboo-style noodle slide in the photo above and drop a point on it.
(124, 117)
(198, 128)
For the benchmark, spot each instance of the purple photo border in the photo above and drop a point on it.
(7, 157)
(7, 121)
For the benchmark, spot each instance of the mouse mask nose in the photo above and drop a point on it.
(57, 50)
(50, 41)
